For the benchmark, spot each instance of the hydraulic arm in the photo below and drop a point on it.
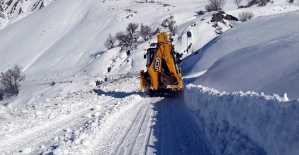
(162, 75)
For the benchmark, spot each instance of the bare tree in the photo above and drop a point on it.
(238, 2)
(145, 32)
(244, 16)
(11, 79)
(215, 5)
(131, 30)
(125, 40)
(109, 43)
(122, 38)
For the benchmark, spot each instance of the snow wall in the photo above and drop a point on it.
(245, 123)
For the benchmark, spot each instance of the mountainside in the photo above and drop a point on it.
(14, 10)
(266, 64)
(71, 41)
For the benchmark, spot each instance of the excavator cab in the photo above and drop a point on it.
(162, 75)
(149, 56)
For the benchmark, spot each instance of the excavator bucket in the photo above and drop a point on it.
(162, 75)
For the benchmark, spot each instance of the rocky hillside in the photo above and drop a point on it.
(13, 10)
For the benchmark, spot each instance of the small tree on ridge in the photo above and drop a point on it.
(11, 79)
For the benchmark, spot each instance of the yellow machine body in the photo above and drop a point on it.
(162, 73)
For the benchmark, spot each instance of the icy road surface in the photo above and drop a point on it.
(115, 119)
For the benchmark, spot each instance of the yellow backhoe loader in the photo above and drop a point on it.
(162, 77)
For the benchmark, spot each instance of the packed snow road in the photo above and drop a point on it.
(113, 119)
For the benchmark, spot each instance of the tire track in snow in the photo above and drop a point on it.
(142, 140)
(126, 141)
(134, 138)
(118, 128)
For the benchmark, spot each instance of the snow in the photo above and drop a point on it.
(245, 123)
(4, 113)
(15, 10)
(106, 120)
(267, 64)
(61, 110)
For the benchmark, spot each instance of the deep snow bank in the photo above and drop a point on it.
(245, 123)
(256, 56)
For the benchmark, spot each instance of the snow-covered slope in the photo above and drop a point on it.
(70, 41)
(262, 56)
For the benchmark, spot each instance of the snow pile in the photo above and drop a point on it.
(82, 122)
(245, 123)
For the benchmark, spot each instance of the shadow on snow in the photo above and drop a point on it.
(175, 132)
(115, 94)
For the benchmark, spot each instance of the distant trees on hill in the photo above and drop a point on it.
(145, 32)
(215, 5)
(128, 39)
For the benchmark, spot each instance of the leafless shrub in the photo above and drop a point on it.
(109, 43)
(11, 79)
(131, 30)
(122, 38)
(145, 32)
(238, 3)
(170, 24)
(215, 5)
(244, 16)
(125, 41)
